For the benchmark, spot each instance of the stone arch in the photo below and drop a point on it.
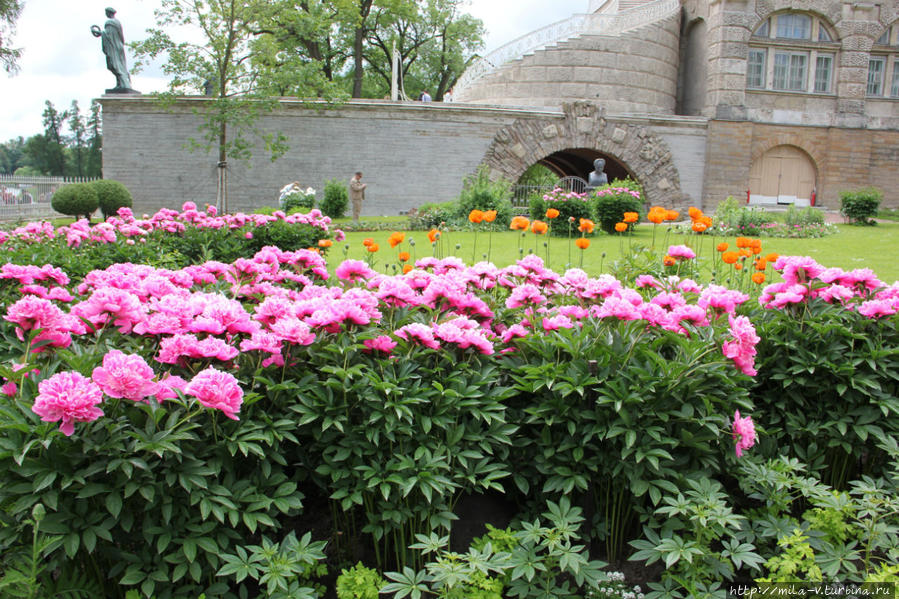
(832, 12)
(584, 125)
(787, 139)
(783, 173)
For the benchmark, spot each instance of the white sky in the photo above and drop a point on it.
(62, 61)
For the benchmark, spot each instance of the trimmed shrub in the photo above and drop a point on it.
(336, 199)
(860, 206)
(298, 202)
(76, 199)
(570, 205)
(612, 201)
(480, 193)
(111, 196)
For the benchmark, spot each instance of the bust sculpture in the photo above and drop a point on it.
(597, 177)
(113, 40)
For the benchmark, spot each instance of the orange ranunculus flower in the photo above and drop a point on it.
(325, 243)
(699, 226)
(582, 242)
(368, 241)
(552, 213)
(631, 217)
(758, 278)
(396, 239)
(586, 225)
(730, 257)
(761, 264)
(669, 261)
(722, 247)
(671, 214)
(404, 256)
(407, 268)
(772, 257)
(621, 227)
(695, 213)
(476, 216)
(539, 227)
(738, 266)
(433, 235)
(520, 223)
(373, 248)
(489, 216)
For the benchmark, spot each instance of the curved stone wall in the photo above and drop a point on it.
(635, 72)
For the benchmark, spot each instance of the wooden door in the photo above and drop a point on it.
(783, 175)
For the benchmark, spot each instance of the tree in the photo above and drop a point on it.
(222, 62)
(77, 141)
(46, 151)
(94, 142)
(12, 155)
(9, 14)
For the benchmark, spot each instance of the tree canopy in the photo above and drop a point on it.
(9, 14)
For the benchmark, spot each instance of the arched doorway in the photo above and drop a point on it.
(578, 162)
(783, 175)
(691, 79)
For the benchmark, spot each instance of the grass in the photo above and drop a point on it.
(853, 247)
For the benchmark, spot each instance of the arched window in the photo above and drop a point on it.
(883, 65)
(792, 52)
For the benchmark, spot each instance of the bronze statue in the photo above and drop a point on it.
(114, 48)
(597, 177)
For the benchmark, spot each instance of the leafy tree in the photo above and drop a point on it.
(12, 155)
(9, 13)
(78, 142)
(94, 142)
(46, 151)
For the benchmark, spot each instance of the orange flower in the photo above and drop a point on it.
(660, 209)
(552, 213)
(669, 261)
(519, 223)
(743, 242)
(621, 227)
(695, 213)
(586, 225)
(368, 241)
(761, 264)
(706, 220)
(745, 253)
(671, 214)
(699, 226)
(476, 216)
(490, 216)
(433, 235)
(631, 217)
(758, 278)
(539, 227)
(404, 256)
(730, 257)
(325, 243)
(582, 242)
(655, 217)
(738, 266)
(396, 239)
(407, 268)
(373, 247)
(722, 247)
(756, 246)
(772, 257)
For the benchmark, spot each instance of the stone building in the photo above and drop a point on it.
(800, 97)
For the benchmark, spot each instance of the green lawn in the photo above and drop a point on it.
(853, 247)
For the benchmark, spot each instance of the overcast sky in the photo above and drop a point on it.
(62, 61)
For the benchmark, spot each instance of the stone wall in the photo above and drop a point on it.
(635, 72)
(845, 159)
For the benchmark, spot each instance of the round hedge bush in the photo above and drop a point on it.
(76, 199)
(335, 201)
(111, 195)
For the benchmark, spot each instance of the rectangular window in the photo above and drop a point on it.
(794, 27)
(875, 75)
(755, 70)
(791, 71)
(894, 86)
(823, 71)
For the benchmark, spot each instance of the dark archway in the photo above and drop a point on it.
(691, 78)
(578, 162)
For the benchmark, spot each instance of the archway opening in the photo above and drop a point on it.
(691, 78)
(578, 162)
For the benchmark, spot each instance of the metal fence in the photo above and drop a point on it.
(28, 198)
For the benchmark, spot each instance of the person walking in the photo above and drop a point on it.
(357, 194)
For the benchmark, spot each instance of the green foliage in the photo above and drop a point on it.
(335, 200)
(359, 582)
(611, 201)
(735, 218)
(797, 562)
(479, 192)
(298, 202)
(76, 199)
(537, 174)
(572, 208)
(430, 216)
(111, 196)
(287, 236)
(803, 216)
(282, 570)
(860, 206)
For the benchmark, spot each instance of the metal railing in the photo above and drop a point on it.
(28, 198)
(579, 24)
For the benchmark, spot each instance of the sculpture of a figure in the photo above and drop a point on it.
(114, 48)
(597, 177)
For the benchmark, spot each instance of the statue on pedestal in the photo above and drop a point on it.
(113, 39)
(597, 177)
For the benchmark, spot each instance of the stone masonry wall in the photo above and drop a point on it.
(845, 159)
(635, 72)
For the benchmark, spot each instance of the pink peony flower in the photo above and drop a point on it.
(743, 433)
(382, 343)
(741, 347)
(681, 252)
(218, 390)
(125, 376)
(68, 397)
